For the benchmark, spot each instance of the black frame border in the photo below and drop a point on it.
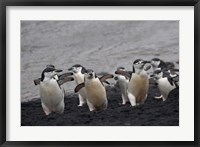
(5, 3)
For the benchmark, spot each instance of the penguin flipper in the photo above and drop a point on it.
(106, 82)
(64, 80)
(37, 81)
(147, 67)
(103, 78)
(124, 73)
(78, 87)
(170, 81)
(65, 75)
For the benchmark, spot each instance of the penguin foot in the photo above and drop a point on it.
(132, 99)
(164, 99)
(122, 103)
(46, 109)
(47, 112)
(158, 97)
(80, 105)
(90, 106)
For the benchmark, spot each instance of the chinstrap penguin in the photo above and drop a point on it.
(78, 74)
(165, 84)
(51, 93)
(139, 82)
(96, 92)
(123, 84)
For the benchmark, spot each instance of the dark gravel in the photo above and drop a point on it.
(153, 113)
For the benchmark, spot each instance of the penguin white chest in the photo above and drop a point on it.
(138, 86)
(79, 78)
(96, 92)
(165, 87)
(123, 82)
(50, 92)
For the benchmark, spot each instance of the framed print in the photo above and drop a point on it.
(117, 73)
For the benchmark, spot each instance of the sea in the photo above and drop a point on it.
(99, 45)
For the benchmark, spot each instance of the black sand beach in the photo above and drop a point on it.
(154, 112)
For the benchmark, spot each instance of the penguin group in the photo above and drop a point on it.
(133, 85)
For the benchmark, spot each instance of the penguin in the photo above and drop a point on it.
(123, 85)
(159, 64)
(165, 84)
(139, 82)
(51, 93)
(96, 92)
(78, 74)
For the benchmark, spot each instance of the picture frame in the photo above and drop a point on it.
(3, 74)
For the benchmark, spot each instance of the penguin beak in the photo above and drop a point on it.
(152, 76)
(147, 62)
(58, 70)
(65, 75)
(91, 74)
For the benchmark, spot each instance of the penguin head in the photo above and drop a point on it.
(158, 63)
(118, 76)
(77, 68)
(90, 74)
(121, 68)
(138, 64)
(50, 66)
(157, 74)
(49, 73)
(173, 72)
(155, 62)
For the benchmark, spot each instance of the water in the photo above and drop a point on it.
(98, 45)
